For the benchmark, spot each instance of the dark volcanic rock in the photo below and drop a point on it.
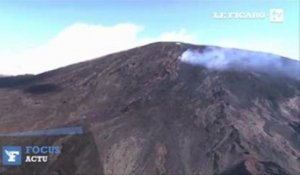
(252, 166)
(146, 112)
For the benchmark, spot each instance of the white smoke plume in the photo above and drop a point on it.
(225, 58)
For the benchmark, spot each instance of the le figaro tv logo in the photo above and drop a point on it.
(276, 15)
(11, 155)
(15, 156)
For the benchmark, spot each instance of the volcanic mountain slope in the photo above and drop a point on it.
(144, 111)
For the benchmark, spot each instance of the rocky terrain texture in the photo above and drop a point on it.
(144, 112)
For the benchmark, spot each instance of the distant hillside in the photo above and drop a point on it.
(147, 111)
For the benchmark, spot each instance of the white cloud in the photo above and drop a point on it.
(81, 42)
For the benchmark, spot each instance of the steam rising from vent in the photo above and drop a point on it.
(224, 58)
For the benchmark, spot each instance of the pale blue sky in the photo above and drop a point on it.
(32, 23)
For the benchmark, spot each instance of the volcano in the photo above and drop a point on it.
(146, 111)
